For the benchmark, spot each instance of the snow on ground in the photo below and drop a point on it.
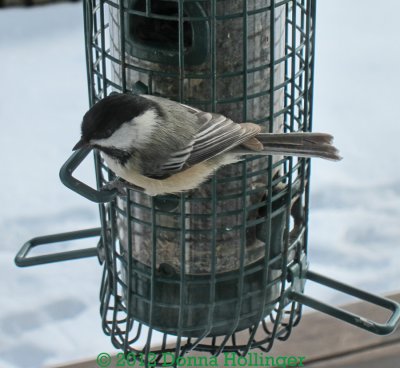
(50, 314)
(355, 204)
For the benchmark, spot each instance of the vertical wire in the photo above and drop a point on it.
(91, 13)
(313, 10)
(213, 50)
(103, 296)
(114, 288)
(268, 219)
(312, 4)
(287, 51)
(88, 27)
(245, 57)
(212, 280)
(111, 209)
(113, 240)
(150, 83)
(129, 265)
(268, 215)
(290, 160)
(95, 42)
(293, 73)
(182, 285)
(306, 97)
(305, 52)
(244, 167)
(153, 223)
(302, 79)
(181, 61)
(103, 48)
(122, 44)
(213, 255)
(92, 25)
(243, 228)
(272, 77)
(128, 270)
(269, 184)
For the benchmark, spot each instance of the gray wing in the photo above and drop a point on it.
(218, 134)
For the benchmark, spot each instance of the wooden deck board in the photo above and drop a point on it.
(327, 342)
(319, 336)
(384, 356)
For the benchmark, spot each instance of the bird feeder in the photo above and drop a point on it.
(230, 255)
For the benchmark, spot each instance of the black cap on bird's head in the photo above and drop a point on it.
(107, 115)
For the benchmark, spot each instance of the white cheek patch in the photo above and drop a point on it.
(133, 133)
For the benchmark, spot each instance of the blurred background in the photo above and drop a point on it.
(50, 314)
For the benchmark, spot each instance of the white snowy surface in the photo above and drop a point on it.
(355, 204)
(50, 314)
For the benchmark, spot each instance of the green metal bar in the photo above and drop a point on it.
(128, 270)
(361, 322)
(112, 245)
(267, 233)
(188, 73)
(191, 18)
(122, 45)
(183, 308)
(22, 259)
(152, 279)
(271, 129)
(289, 168)
(182, 286)
(307, 77)
(66, 171)
(289, 96)
(245, 60)
(213, 50)
(213, 257)
(240, 287)
(181, 59)
(312, 4)
(88, 25)
(103, 48)
(87, 192)
(95, 66)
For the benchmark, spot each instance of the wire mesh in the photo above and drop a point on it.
(196, 268)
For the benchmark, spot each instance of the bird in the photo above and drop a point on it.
(166, 147)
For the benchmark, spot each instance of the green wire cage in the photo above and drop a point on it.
(230, 255)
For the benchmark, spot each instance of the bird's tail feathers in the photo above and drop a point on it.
(299, 144)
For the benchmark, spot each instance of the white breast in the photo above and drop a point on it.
(180, 182)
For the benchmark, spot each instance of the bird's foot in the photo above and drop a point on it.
(116, 184)
(120, 185)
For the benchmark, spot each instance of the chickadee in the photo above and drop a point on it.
(165, 147)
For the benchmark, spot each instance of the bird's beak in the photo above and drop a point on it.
(82, 143)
